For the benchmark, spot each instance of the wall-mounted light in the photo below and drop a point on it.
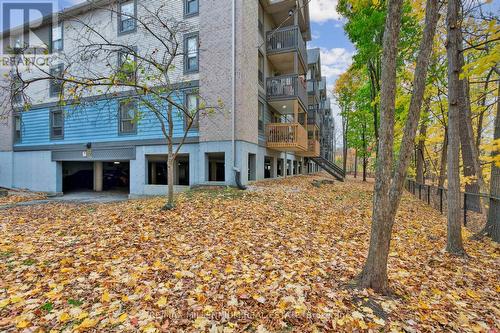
(89, 145)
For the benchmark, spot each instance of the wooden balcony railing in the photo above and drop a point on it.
(286, 87)
(286, 137)
(286, 39)
(313, 149)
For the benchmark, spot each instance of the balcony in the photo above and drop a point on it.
(286, 87)
(281, 47)
(313, 145)
(313, 149)
(286, 137)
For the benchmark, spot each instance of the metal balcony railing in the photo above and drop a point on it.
(286, 39)
(286, 87)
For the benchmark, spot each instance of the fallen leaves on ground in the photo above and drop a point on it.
(280, 257)
(16, 197)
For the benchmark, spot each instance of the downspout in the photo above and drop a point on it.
(237, 171)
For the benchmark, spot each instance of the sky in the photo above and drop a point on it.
(336, 49)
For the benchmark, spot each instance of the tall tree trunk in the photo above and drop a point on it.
(470, 156)
(493, 224)
(374, 274)
(420, 153)
(344, 149)
(170, 161)
(364, 151)
(355, 163)
(387, 195)
(454, 240)
(482, 104)
(444, 159)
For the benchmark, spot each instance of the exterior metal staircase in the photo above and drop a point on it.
(330, 167)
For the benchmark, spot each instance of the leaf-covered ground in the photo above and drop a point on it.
(279, 257)
(20, 196)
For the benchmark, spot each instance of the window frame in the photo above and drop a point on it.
(186, 7)
(119, 60)
(52, 49)
(187, 37)
(53, 93)
(121, 102)
(196, 120)
(261, 59)
(51, 122)
(17, 138)
(261, 111)
(261, 20)
(119, 18)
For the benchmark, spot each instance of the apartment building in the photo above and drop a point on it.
(251, 55)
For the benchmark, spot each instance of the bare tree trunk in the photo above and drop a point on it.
(345, 123)
(170, 161)
(454, 239)
(493, 224)
(387, 195)
(374, 274)
(364, 151)
(444, 159)
(355, 163)
(420, 153)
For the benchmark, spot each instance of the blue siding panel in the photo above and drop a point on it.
(94, 122)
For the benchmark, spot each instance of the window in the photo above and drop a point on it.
(190, 7)
(128, 115)
(127, 17)
(261, 68)
(55, 85)
(191, 53)
(261, 20)
(57, 37)
(56, 124)
(192, 108)
(127, 63)
(17, 128)
(261, 116)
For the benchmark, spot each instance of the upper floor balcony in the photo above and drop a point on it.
(282, 45)
(285, 88)
(287, 137)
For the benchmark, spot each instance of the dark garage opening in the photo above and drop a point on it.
(116, 176)
(78, 176)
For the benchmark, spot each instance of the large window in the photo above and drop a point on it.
(261, 116)
(127, 64)
(55, 85)
(56, 124)
(17, 128)
(191, 59)
(261, 68)
(191, 7)
(192, 107)
(127, 17)
(57, 37)
(128, 115)
(261, 19)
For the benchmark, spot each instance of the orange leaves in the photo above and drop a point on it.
(278, 257)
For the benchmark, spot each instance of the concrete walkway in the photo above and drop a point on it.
(76, 198)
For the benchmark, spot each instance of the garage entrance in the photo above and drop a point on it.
(116, 176)
(96, 176)
(78, 176)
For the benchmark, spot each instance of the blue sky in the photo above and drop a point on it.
(336, 49)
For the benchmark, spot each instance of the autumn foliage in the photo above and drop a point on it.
(280, 257)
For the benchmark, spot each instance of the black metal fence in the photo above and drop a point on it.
(474, 205)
